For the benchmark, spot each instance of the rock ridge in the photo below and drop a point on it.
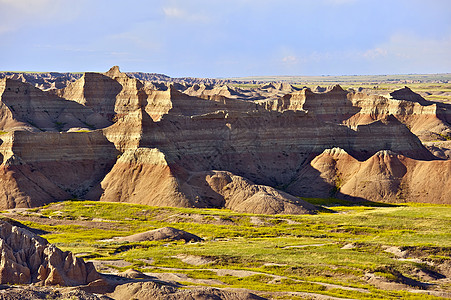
(112, 137)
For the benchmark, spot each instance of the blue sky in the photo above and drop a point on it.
(230, 38)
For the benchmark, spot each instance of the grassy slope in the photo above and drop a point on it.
(235, 242)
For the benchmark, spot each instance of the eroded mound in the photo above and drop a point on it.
(386, 176)
(165, 233)
(151, 290)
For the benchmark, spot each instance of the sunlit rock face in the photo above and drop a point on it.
(114, 138)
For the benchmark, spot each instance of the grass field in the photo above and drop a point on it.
(285, 253)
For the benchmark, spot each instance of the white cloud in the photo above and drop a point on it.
(173, 12)
(291, 59)
(410, 53)
(415, 48)
(184, 15)
(375, 53)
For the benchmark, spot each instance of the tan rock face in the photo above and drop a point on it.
(425, 119)
(26, 107)
(27, 258)
(386, 177)
(205, 147)
(333, 105)
(144, 176)
(40, 168)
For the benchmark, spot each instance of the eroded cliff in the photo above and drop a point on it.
(164, 147)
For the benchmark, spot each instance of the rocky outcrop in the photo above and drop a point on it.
(407, 94)
(165, 233)
(27, 258)
(152, 290)
(24, 186)
(269, 147)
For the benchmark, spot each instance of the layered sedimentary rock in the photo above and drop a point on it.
(159, 103)
(44, 81)
(269, 147)
(425, 119)
(27, 258)
(333, 105)
(164, 147)
(145, 176)
(107, 94)
(39, 168)
(386, 176)
(267, 92)
(24, 107)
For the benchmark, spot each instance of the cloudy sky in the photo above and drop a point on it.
(228, 38)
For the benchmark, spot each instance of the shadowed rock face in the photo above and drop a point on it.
(167, 148)
(39, 168)
(27, 258)
(24, 107)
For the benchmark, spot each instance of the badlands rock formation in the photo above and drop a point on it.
(27, 258)
(151, 290)
(385, 176)
(165, 233)
(111, 137)
(427, 120)
(44, 81)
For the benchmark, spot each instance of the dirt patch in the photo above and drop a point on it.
(109, 266)
(181, 277)
(349, 246)
(257, 221)
(195, 260)
(304, 246)
(147, 261)
(396, 251)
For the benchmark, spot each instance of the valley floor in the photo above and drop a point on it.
(344, 252)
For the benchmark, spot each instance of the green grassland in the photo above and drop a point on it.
(288, 253)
